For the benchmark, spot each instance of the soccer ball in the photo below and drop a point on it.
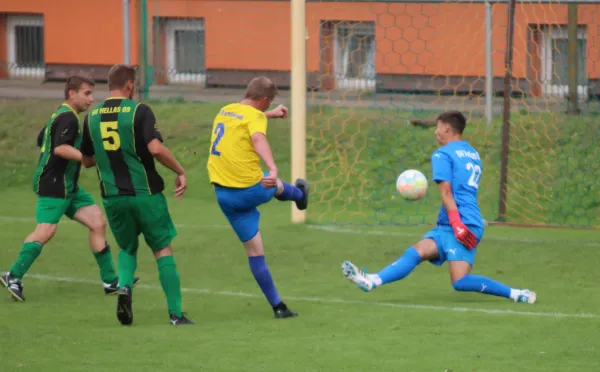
(411, 184)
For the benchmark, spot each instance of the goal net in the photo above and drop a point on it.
(380, 73)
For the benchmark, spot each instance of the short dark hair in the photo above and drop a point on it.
(74, 82)
(119, 75)
(455, 119)
(261, 87)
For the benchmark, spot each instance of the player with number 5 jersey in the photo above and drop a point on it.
(457, 169)
(238, 143)
(121, 138)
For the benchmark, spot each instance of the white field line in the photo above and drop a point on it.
(345, 230)
(341, 301)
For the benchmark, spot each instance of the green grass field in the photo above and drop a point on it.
(419, 324)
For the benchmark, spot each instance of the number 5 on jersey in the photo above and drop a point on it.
(219, 131)
(110, 135)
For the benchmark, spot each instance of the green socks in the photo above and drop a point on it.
(105, 263)
(29, 252)
(127, 267)
(169, 279)
(167, 273)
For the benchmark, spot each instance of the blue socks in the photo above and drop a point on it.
(476, 283)
(401, 268)
(468, 283)
(261, 273)
(290, 193)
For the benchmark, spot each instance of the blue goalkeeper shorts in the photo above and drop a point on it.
(450, 249)
(239, 206)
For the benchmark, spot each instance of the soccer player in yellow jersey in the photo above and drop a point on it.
(238, 144)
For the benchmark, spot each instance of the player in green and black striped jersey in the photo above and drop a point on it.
(121, 139)
(55, 183)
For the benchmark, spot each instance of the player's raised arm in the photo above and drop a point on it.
(145, 123)
(66, 128)
(279, 112)
(87, 146)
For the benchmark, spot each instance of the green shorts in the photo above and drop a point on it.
(130, 216)
(50, 210)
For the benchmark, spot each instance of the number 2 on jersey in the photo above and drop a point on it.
(475, 175)
(219, 131)
(110, 136)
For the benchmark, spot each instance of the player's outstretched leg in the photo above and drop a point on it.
(396, 271)
(262, 275)
(30, 251)
(463, 281)
(297, 193)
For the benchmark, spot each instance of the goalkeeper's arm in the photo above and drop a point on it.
(461, 231)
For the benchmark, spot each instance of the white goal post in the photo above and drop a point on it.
(298, 98)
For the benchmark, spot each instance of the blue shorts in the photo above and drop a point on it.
(239, 206)
(450, 249)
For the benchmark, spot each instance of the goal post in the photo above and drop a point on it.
(298, 98)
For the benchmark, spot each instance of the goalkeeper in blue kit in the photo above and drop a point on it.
(457, 170)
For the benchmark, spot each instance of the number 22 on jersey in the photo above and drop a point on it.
(475, 175)
(219, 131)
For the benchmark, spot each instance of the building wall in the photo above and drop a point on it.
(426, 45)
(3, 48)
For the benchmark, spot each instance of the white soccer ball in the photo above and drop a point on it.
(412, 184)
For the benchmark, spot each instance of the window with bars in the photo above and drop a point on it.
(355, 50)
(189, 50)
(185, 39)
(555, 60)
(353, 57)
(25, 35)
(560, 61)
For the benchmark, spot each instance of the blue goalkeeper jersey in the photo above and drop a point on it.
(460, 164)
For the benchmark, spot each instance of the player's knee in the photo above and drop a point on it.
(98, 224)
(166, 251)
(254, 246)
(460, 284)
(43, 233)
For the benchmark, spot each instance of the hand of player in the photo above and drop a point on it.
(180, 185)
(461, 231)
(278, 112)
(270, 181)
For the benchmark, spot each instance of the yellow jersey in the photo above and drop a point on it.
(232, 160)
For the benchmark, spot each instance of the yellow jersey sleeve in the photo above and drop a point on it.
(258, 124)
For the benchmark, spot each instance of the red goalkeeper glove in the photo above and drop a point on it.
(462, 233)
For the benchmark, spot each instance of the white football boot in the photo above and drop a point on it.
(526, 296)
(363, 280)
